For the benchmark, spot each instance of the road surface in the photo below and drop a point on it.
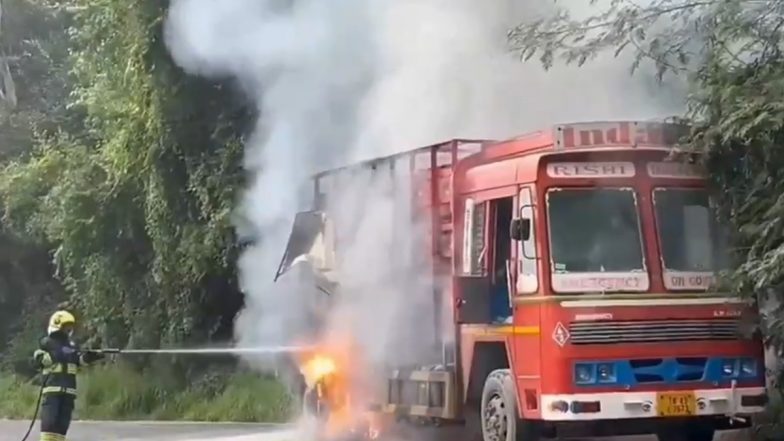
(144, 431)
(152, 431)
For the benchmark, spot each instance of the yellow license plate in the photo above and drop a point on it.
(672, 404)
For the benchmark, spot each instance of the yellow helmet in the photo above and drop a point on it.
(60, 319)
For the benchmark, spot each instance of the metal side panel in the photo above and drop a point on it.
(311, 242)
(421, 393)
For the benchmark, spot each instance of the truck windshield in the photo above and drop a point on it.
(594, 230)
(690, 238)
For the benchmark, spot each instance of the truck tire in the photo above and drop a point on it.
(499, 410)
(312, 407)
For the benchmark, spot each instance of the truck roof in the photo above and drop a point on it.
(583, 136)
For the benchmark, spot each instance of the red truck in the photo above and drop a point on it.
(581, 263)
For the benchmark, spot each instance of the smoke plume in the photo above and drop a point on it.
(344, 80)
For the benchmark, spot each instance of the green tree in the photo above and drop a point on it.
(134, 197)
(681, 36)
(33, 98)
(34, 78)
(731, 52)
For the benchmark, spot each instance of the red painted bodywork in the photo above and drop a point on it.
(538, 363)
(500, 169)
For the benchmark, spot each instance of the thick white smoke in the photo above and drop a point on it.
(308, 64)
(341, 80)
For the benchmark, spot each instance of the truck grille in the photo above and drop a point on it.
(652, 331)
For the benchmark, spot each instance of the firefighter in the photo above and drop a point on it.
(59, 358)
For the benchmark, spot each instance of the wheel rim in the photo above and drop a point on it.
(494, 418)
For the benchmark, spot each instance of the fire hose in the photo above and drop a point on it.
(44, 380)
(37, 406)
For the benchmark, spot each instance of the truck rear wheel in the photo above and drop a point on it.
(499, 411)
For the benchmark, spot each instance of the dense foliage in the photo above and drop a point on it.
(731, 51)
(121, 393)
(118, 180)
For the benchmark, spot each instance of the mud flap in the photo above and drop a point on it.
(311, 243)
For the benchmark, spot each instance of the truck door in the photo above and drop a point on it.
(486, 255)
(527, 273)
(525, 356)
(311, 244)
(501, 277)
(472, 279)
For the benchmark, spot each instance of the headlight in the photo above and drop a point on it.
(583, 373)
(748, 367)
(728, 367)
(606, 372)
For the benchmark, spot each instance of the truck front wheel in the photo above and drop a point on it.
(499, 411)
(313, 406)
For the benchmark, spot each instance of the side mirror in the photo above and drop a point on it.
(520, 229)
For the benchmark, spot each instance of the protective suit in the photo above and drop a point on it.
(59, 360)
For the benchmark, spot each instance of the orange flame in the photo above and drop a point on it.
(316, 368)
(330, 373)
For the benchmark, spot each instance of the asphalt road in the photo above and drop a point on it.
(144, 431)
(149, 431)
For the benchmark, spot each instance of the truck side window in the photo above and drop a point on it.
(474, 246)
(528, 280)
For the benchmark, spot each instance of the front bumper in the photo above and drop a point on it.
(723, 435)
(630, 405)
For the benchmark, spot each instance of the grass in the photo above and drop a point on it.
(18, 398)
(120, 393)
